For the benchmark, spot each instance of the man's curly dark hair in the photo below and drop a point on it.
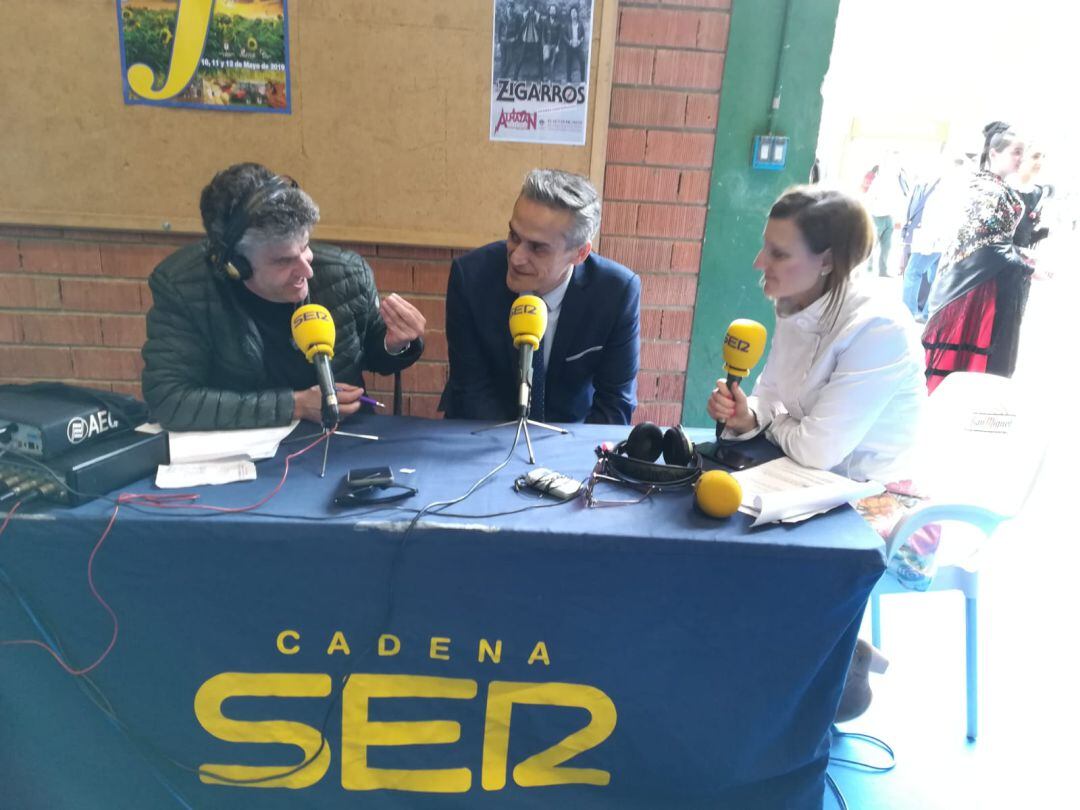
(283, 215)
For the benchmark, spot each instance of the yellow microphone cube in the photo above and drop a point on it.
(718, 494)
(313, 330)
(528, 320)
(744, 344)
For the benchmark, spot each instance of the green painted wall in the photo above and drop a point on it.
(740, 196)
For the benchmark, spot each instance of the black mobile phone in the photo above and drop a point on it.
(725, 455)
(734, 460)
(369, 477)
(372, 487)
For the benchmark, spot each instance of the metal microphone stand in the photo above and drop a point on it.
(523, 421)
(330, 421)
(326, 446)
(525, 390)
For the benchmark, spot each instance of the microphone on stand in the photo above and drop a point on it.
(528, 321)
(744, 344)
(313, 331)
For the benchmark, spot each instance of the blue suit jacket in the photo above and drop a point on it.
(592, 373)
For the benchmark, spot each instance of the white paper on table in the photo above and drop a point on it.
(190, 446)
(180, 476)
(783, 490)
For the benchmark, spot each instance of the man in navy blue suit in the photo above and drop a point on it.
(588, 359)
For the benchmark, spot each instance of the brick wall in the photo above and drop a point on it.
(669, 60)
(72, 302)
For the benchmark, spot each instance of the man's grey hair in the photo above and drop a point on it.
(565, 191)
(286, 216)
(270, 208)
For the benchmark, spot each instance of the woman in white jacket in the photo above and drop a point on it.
(843, 387)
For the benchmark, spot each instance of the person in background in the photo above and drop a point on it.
(916, 202)
(551, 37)
(886, 188)
(977, 301)
(529, 45)
(507, 24)
(928, 232)
(574, 42)
(586, 369)
(842, 388)
(1029, 231)
(219, 352)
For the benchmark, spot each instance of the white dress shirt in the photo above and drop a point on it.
(846, 397)
(554, 300)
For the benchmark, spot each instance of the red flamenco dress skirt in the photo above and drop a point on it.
(959, 336)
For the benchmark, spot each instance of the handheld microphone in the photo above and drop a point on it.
(718, 494)
(744, 344)
(313, 331)
(528, 321)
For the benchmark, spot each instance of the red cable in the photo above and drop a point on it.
(173, 501)
(94, 591)
(158, 502)
(11, 512)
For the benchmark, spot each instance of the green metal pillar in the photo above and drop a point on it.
(763, 54)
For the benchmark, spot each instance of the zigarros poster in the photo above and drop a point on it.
(540, 70)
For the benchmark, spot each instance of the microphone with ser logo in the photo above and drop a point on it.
(744, 344)
(528, 322)
(717, 493)
(313, 331)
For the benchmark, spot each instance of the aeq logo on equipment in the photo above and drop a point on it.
(79, 428)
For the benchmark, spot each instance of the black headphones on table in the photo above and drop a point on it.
(234, 265)
(634, 461)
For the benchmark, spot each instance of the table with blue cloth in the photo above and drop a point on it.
(509, 651)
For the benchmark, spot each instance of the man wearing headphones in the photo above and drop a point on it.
(219, 352)
(586, 369)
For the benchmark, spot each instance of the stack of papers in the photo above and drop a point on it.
(787, 492)
(182, 476)
(199, 457)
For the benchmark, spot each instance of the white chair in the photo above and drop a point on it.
(983, 447)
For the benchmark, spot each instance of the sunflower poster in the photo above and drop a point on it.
(206, 54)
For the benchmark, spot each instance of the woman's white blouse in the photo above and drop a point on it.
(846, 397)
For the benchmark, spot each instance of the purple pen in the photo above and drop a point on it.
(364, 399)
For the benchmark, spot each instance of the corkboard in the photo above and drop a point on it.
(388, 131)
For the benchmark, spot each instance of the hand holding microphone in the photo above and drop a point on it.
(528, 322)
(729, 408)
(309, 402)
(744, 344)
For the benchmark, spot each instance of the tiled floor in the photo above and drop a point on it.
(1023, 757)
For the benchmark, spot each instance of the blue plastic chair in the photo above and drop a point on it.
(983, 446)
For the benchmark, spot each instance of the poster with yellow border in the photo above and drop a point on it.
(206, 54)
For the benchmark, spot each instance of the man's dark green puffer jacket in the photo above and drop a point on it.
(204, 355)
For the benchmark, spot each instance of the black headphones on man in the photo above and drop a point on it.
(235, 265)
(634, 460)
